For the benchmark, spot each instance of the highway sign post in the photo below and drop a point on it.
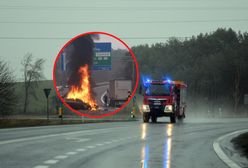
(47, 92)
(102, 56)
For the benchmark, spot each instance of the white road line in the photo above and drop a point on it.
(99, 144)
(78, 139)
(90, 132)
(41, 166)
(221, 154)
(81, 150)
(52, 161)
(90, 147)
(71, 153)
(61, 157)
(82, 140)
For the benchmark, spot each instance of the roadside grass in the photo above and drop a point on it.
(36, 113)
(12, 123)
(241, 143)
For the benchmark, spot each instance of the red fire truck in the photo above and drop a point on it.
(164, 98)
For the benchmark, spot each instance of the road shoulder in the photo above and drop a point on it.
(225, 150)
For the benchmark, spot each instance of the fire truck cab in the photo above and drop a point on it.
(164, 98)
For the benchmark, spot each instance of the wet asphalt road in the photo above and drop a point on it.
(112, 145)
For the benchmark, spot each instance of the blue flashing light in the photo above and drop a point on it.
(146, 80)
(167, 79)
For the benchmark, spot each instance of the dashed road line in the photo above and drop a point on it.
(57, 158)
(99, 144)
(81, 150)
(41, 166)
(61, 157)
(90, 147)
(52, 161)
(71, 153)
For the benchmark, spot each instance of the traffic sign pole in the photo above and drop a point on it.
(47, 92)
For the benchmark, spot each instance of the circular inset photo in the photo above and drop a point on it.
(95, 74)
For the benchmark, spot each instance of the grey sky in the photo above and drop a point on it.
(48, 25)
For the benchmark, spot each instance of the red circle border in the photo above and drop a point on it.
(110, 113)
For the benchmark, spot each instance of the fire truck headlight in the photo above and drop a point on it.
(145, 108)
(168, 108)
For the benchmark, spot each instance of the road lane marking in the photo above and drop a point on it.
(99, 144)
(78, 139)
(52, 161)
(41, 166)
(81, 140)
(71, 153)
(221, 153)
(81, 150)
(61, 157)
(84, 132)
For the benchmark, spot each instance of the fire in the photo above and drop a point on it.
(83, 91)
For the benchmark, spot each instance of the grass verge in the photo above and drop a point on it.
(241, 143)
(11, 123)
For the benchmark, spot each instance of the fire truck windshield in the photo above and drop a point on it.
(158, 90)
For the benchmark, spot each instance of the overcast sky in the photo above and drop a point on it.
(43, 27)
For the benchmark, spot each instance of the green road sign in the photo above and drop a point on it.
(102, 56)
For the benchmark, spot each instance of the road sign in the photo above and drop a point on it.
(102, 56)
(47, 92)
(63, 63)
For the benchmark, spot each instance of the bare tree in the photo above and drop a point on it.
(7, 96)
(33, 72)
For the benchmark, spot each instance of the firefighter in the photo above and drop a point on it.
(60, 111)
(133, 112)
(133, 108)
(129, 94)
(106, 98)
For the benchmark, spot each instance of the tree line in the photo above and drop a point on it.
(214, 65)
(32, 74)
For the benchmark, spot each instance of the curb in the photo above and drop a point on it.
(221, 154)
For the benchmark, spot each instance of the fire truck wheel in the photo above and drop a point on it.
(173, 119)
(146, 117)
(154, 118)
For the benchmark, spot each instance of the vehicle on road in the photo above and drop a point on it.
(164, 98)
(119, 91)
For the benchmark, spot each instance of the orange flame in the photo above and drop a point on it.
(83, 92)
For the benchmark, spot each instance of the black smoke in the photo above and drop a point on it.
(80, 55)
